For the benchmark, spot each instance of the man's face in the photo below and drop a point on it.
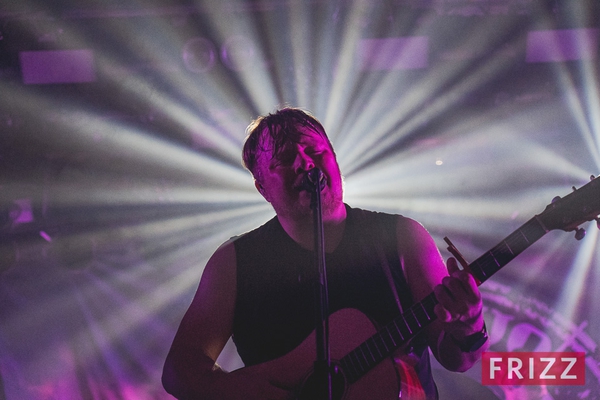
(279, 178)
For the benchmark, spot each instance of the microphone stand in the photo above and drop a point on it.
(322, 367)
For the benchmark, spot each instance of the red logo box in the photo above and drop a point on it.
(533, 368)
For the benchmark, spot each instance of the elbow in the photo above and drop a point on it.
(191, 375)
(174, 382)
(170, 382)
(182, 381)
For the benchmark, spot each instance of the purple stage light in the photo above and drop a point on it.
(57, 66)
(562, 45)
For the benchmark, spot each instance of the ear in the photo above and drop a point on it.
(260, 189)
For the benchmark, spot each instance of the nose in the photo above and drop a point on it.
(303, 161)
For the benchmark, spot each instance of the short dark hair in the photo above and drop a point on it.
(282, 127)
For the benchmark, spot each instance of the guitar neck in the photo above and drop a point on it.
(411, 322)
(505, 251)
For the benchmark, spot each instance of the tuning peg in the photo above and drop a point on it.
(579, 233)
(592, 177)
(554, 200)
(598, 222)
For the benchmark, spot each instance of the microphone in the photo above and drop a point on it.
(313, 179)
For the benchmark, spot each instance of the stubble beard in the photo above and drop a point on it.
(302, 211)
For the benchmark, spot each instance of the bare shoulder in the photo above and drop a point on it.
(221, 267)
(414, 240)
(408, 228)
(419, 257)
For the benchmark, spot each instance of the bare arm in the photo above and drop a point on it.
(459, 310)
(190, 370)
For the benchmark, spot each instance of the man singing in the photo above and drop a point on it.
(259, 287)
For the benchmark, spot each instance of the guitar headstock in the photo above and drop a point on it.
(568, 212)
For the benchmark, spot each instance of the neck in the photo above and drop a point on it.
(302, 232)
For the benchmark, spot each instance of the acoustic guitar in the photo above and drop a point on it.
(363, 366)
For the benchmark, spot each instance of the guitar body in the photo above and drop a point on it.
(348, 328)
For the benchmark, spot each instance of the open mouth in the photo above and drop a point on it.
(305, 184)
(303, 187)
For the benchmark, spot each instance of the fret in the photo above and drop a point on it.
(388, 333)
(349, 368)
(536, 230)
(369, 344)
(484, 267)
(409, 320)
(381, 344)
(362, 363)
(397, 330)
(364, 356)
(518, 242)
(358, 361)
(501, 254)
(504, 252)
(428, 304)
(420, 314)
(402, 328)
(415, 317)
(354, 373)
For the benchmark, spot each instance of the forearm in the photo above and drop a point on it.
(202, 379)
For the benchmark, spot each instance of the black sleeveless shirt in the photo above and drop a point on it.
(274, 309)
